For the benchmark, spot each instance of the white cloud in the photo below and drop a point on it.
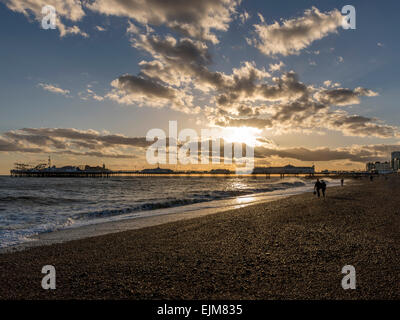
(71, 30)
(293, 35)
(276, 66)
(100, 28)
(54, 89)
(327, 83)
(90, 94)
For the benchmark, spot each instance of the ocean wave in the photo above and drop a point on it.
(10, 236)
(37, 200)
(189, 199)
(31, 208)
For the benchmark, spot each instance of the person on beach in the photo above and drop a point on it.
(320, 186)
(323, 187)
(342, 182)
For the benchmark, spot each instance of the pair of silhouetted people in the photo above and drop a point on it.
(320, 186)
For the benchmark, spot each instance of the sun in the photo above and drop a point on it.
(247, 135)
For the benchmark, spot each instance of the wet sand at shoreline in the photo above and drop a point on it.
(292, 248)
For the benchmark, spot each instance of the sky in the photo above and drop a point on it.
(284, 75)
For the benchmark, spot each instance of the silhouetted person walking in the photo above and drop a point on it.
(323, 187)
(320, 186)
(342, 182)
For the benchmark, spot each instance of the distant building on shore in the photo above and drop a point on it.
(289, 169)
(157, 170)
(395, 161)
(220, 171)
(379, 167)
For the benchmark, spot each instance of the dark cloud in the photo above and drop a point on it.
(343, 97)
(246, 111)
(147, 87)
(359, 126)
(360, 154)
(129, 89)
(194, 18)
(10, 146)
(92, 143)
(182, 51)
(71, 141)
(88, 136)
(304, 154)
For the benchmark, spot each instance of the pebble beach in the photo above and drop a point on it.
(291, 248)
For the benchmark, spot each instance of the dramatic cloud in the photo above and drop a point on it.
(194, 18)
(309, 116)
(188, 61)
(180, 66)
(178, 62)
(180, 72)
(71, 141)
(249, 96)
(298, 107)
(296, 34)
(54, 89)
(66, 10)
(94, 144)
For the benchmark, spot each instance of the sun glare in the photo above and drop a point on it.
(246, 135)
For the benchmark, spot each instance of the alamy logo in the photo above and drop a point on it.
(349, 280)
(349, 20)
(49, 280)
(49, 20)
(183, 147)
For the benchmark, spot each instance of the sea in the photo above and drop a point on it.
(30, 206)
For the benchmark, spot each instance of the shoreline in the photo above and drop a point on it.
(292, 248)
(152, 218)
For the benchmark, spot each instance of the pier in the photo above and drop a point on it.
(60, 174)
(43, 171)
